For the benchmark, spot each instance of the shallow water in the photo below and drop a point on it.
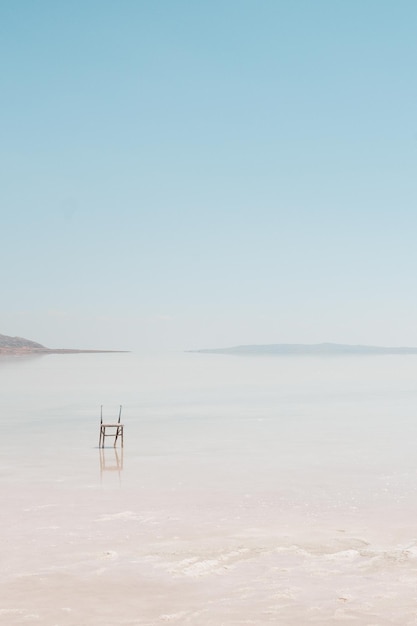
(251, 490)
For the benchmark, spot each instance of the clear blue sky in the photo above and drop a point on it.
(179, 174)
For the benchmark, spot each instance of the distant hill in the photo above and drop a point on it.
(307, 349)
(19, 345)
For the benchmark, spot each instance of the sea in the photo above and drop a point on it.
(250, 490)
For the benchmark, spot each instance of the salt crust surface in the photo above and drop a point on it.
(249, 493)
(171, 560)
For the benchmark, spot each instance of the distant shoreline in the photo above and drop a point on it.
(320, 349)
(29, 351)
(19, 346)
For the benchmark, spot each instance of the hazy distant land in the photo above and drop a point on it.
(19, 345)
(307, 349)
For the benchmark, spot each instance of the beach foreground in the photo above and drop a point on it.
(248, 492)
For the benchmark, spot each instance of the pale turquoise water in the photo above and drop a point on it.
(240, 466)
